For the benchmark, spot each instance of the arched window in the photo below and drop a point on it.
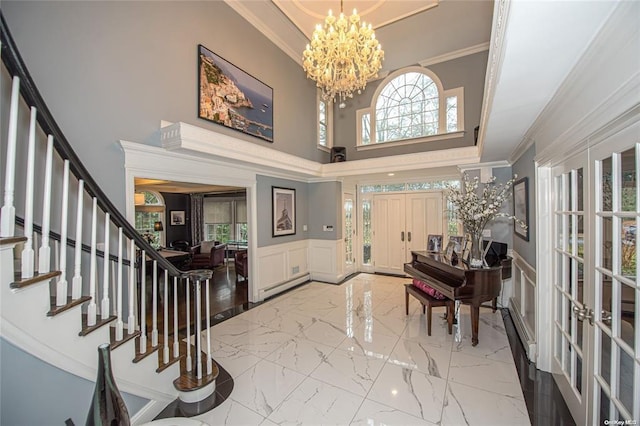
(411, 105)
(148, 214)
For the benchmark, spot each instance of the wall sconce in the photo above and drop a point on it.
(138, 199)
(157, 226)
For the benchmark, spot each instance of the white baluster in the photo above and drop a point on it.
(36, 260)
(197, 314)
(76, 282)
(45, 251)
(8, 211)
(189, 361)
(154, 309)
(61, 287)
(207, 300)
(176, 345)
(165, 350)
(104, 306)
(131, 321)
(56, 252)
(143, 303)
(119, 322)
(92, 308)
(27, 252)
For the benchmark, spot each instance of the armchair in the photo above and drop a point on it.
(208, 255)
(241, 263)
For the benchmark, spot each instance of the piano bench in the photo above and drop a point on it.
(429, 302)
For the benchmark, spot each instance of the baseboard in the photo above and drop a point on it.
(149, 412)
(279, 288)
(528, 343)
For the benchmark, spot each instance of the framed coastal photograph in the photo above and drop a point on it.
(232, 98)
(284, 211)
(177, 217)
(434, 243)
(521, 207)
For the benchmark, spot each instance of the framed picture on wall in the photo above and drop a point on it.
(284, 211)
(177, 217)
(232, 98)
(521, 207)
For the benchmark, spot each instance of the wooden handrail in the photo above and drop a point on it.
(16, 67)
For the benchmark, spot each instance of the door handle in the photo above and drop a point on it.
(409, 236)
(402, 236)
(606, 318)
(583, 314)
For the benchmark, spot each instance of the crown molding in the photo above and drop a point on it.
(455, 54)
(191, 140)
(491, 164)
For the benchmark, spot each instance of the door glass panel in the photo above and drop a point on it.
(559, 194)
(625, 393)
(607, 194)
(579, 189)
(558, 345)
(580, 237)
(348, 230)
(579, 332)
(572, 266)
(559, 230)
(605, 285)
(627, 314)
(607, 243)
(570, 233)
(628, 248)
(579, 374)
(567, 358)
(628, 179)
(604, 407)
(605, 358)
(366, 232)
(569, 201)
(580, 283)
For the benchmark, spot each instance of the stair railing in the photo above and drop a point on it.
(102, 306)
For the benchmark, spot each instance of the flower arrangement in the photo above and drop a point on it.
(476, 209)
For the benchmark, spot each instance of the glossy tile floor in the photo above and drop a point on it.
(348, 354)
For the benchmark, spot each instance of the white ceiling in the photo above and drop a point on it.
(543, 40)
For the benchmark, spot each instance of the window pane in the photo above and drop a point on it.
(366, 232)
(366, 129)
(628, 179)
(607, 243)
(607, 198)
(322, 123)
(217, 211)
(628, 248)
(452, 114)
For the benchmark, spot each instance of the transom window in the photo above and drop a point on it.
(412, 106)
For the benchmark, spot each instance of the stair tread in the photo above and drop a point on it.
(149, 351)
(189, 382)
(55, 310)
(37, 278)
(125, 337)
(86, 329)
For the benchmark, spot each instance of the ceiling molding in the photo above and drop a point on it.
(261, 16)
(496, 58)
(491, 165)
(455, 54)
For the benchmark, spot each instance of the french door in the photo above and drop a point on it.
(596, 332)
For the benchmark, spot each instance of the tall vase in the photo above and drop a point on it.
(107, 405)
(475, 255)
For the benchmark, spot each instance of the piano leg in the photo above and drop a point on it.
(475, 321)
(450, 314)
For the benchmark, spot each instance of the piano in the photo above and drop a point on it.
(471, 286)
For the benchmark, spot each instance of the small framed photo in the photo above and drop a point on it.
(434, 243)
(459, 243)
(448, 253)
(177, 217)
(284, 211)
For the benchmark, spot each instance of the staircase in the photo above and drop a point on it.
(76, 274)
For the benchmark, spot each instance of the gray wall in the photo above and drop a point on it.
(33, 392)
(113, 70)
(467, 72)
(325, 208)
(525, 167)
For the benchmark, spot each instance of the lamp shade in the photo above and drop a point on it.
(157, 226)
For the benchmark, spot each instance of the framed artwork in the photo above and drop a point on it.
(458, 240)
(230, 97)
(284, 211)
(450, 249)
(521, 207)
(177, 217)
(434, 243)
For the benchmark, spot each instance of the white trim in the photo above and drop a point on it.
(426, 139)
(455, 54)
(148, 412)
(491, 164)
(325, 260)
(527, 273)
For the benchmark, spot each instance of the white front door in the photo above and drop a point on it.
(401, 224)
(596, 333)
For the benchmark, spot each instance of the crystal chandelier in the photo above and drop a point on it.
(342, 56)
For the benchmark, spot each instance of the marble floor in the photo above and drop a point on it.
(348, 354)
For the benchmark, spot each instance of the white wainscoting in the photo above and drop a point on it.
(523, 304)
(326, 260)
(280, 267)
